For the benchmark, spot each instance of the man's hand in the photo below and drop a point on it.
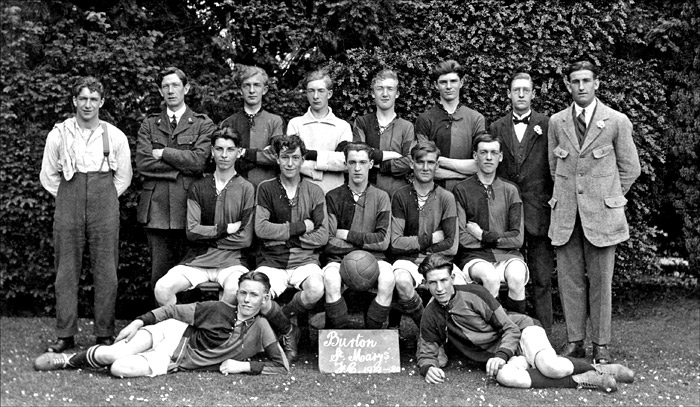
(342, 234)
(157, 153)
(129, 331)
(475, 230)
(435, 375)
(309, 225)
(493, 365)
(438, 236)
(233, 227)
(233, 367)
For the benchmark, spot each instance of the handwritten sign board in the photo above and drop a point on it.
(358, 351)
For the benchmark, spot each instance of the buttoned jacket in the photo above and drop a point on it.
(592, 179)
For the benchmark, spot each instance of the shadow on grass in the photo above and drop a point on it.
(656, 334)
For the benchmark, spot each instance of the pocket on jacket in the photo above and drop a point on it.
(602, 151)
(560, 152)
(615, 201)
(185, 139)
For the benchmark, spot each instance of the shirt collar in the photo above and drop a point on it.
(589, 109)
(528, 113)
(178, 114)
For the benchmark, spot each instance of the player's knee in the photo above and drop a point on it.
(121, 368)
(331, 277)
(511, 376)
(403, 281)
(163, 290)
(386, 281)
(516, 275)
(313, 286)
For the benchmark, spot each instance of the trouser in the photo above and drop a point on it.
(539, 254)
(168, 247)
(87, 212)
(585, 280)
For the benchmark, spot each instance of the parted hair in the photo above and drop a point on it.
(445, 67)
(385, 74)
(319, 74)
(289, 142)
(357, 146)
(424, 147)
(244, 72)
(227, 133)
(172, 70)
(256, 276)
(434, 261)
(486, 138)
(89, 82)
(580, 66)
(520, 75)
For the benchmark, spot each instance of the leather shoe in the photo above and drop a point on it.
(61, 345)
(104, 340)
(574, 350)
(601, 354)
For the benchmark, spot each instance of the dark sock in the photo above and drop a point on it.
(514, 305)
(394, 318)
(376, 315)
(279, 322)
(296, 306)
(86, 358)
(540, 381)
(337, 314)
(79, 359)
(413, 307)
(580, 365)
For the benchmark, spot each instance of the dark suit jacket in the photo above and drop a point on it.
(530, 172)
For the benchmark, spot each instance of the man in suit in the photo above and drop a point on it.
(171, 150)
(524, 135)
(593, 161)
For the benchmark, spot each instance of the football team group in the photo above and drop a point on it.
(257, 207)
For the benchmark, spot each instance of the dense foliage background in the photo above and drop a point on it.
(649, 52)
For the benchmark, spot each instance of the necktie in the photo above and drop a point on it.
(581, 126)
(524, 120)
(173, 123)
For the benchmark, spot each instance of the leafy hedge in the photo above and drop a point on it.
(649, 58)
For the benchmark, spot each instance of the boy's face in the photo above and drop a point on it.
(520, 95)
(87, 104)
(487, 156)
(440, 284)
(290, 162)
(385, 93)
(424, 167)
(225, 153)
(253, 89)
(318, 94)
(448, 85)
(251, 296)
(358, 164)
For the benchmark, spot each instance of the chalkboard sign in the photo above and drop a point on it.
(358, 351)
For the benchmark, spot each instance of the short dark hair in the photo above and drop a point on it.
(486, 138)
(289, 142)
(385, 74)
(253, 275)
(244, 72)
(89, 82)
(319, 74)
(358, 146)
(580, 66)
(433, 262)
(445, 67)
(226, 133)
(172, 70)
(424, 147)
(520, 75)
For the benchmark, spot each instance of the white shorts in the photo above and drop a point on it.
(166, 335)
(281, 279)
(533, 340)
(384, 267)
(418, 278)
(500, 267)
(198, 275)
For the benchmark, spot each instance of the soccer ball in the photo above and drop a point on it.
(359, 270)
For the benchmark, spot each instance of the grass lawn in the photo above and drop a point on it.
(657, 336)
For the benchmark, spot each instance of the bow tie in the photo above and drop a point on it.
(524, 120)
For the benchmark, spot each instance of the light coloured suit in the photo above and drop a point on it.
(588, 214)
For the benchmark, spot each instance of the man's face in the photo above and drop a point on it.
(487, 156)
(358, 164)
(225, 153)
(87, 104)
(424, 167)
(318, 94)
(582, 87)
(448, 85)
(440, 284)
(521, 94)
(173, 91)
(385, 93)
(251, 296)
(253, 89)
(290, 162)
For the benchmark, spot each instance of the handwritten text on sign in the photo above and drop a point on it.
(358, 351)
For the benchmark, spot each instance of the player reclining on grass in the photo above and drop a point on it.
(198, 336)
(516, 351)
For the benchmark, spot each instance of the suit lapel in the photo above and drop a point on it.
(530, 137)
(601, 115)
(184, 123)
(164, 122)
(569, 129)
(507, 128)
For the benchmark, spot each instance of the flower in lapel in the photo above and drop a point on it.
(600, 124)
(538, 130)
